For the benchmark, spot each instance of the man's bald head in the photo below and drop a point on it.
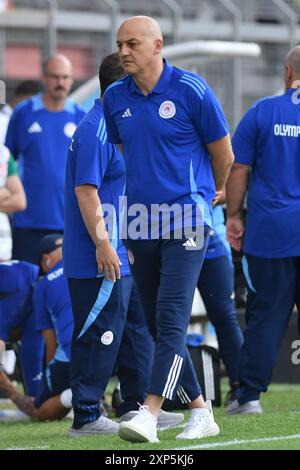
(140, 45)
(293, 59)
(57, 60)
(292, 68)
(58, 79)
(144, 25)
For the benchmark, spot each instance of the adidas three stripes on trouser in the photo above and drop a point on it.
(166, 274)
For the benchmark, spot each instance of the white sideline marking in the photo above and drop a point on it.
(28, 448)
(237, 443)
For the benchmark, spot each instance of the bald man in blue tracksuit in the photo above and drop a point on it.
(171, 127)
(267, 143)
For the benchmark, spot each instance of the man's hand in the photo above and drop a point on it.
(108, 261)
(218, 198)
(235, 231)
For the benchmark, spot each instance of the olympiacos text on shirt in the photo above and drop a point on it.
(286, 130)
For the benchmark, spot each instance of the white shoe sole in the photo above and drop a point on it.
(214, 431)
(245, 411)
(129, 433)
(79, 433)
(161, 425)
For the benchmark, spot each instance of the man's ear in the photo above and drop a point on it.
(158, 45)
(45, 262)
(288, 73)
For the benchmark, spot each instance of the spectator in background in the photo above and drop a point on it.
(12, 199)
(39, 135)
(267, 148)
(12, 196)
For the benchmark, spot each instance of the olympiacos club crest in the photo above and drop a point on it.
(167, 110)
(130, 257)
(69, 129)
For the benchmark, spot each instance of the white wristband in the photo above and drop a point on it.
(66, 398)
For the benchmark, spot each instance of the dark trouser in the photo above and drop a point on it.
(273, 290)
(134, 363)
(166, 274)
(216, 286)
(100, 311)
(32, 346)
(25, 243)
(31, 354)
(55, 379)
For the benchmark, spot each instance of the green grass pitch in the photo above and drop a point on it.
(278, 428)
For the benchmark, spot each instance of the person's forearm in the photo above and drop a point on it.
(92, 214)
(15, 199)
(13, 203)
(222, 159)
(25, 403)
(4, 194)
(221, 171)
(236, 189)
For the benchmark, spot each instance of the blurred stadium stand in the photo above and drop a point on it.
(85, 31)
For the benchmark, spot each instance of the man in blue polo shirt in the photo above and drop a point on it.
(95, 180)
(17, 281)
(177, 151)
(39, 135)
(267, 142)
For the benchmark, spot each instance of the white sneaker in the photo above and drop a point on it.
(201, 424)
(141, 428)
(102, 426)
(251, 407)
(165, 420)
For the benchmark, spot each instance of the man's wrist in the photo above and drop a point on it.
(103, 240)
(236, 215)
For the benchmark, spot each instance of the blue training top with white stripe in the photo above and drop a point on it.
(164, 137)
(17, 280)
(53, 310)
(92, 160)
(268, 140)
(218, 245)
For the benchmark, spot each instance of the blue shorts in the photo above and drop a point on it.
(55, 379)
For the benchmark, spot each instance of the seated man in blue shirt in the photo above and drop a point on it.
(17, 281)
(53, 318)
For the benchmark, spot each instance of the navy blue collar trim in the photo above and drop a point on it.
(161, 86)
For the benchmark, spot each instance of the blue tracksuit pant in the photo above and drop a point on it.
(273, 290)
(166, 273)
(32, 343)
(134, 363)
(216, 286)
(100, 310)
